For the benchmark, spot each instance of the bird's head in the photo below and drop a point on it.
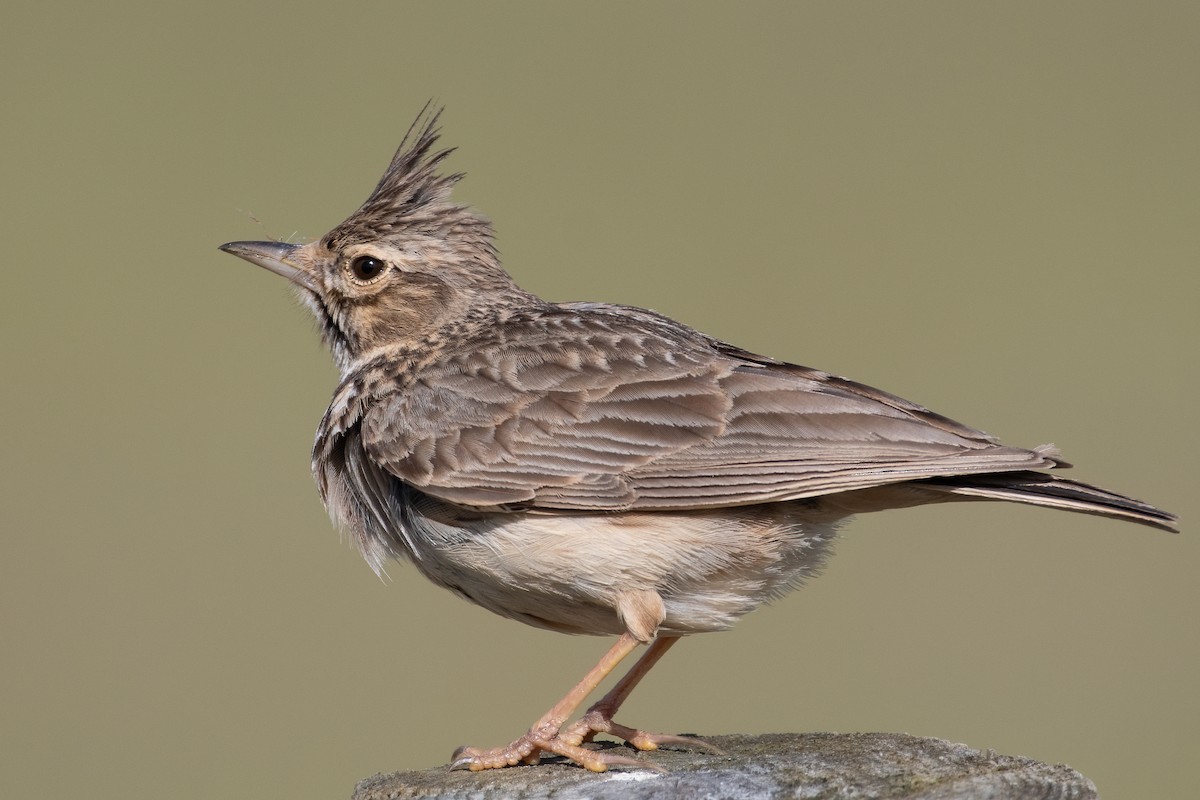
(408, 262)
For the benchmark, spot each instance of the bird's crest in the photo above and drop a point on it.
(411, 191)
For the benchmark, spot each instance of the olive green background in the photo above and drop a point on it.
(988, 208)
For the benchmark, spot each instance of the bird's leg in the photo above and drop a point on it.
(543, 735)
(599, 718)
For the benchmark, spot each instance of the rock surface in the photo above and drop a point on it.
(814, 766)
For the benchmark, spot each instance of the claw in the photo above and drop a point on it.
(528, 750)
(524, 750)
(598, 721)
(652, 741)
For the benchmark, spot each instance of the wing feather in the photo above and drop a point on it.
(611, 408)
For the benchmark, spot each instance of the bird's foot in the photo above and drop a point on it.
(598, 721)
(528, 749)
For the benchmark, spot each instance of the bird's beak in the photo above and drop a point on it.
(275, 256)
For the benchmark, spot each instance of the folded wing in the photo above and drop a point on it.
(609, 408)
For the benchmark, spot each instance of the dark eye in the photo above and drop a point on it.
(367, 268)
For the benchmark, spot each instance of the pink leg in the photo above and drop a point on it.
(599, 718)
(543, 734)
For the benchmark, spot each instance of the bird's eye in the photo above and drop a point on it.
(367, 268)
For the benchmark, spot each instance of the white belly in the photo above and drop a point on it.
(566, 571)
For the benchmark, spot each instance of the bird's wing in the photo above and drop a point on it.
(607, 408)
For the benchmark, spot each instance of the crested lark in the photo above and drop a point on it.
(594, 468)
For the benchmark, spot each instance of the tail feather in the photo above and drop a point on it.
(1040, 489)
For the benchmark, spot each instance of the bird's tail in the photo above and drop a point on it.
(1040, 489)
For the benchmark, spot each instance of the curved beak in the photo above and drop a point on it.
(275, 256)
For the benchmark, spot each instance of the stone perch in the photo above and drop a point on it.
(814, 766)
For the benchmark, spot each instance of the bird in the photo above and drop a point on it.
(594, 468)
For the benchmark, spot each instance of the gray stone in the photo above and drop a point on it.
(812, 766)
